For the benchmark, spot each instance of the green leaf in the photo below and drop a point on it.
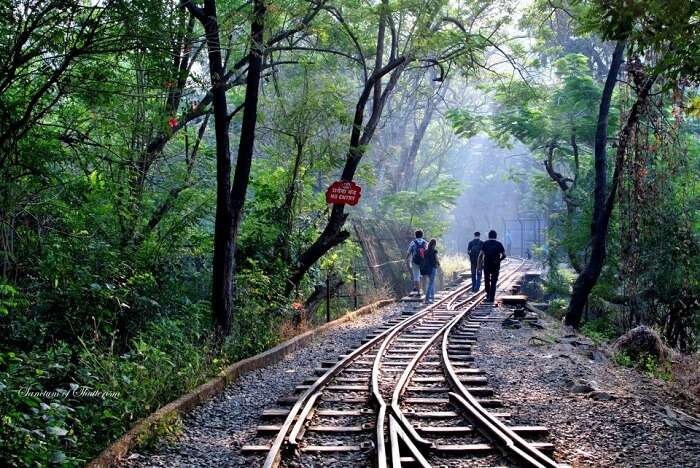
(58, 457)
(57, 431)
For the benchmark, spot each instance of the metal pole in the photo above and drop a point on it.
(522, 235)
(328, 296)
(354, 287)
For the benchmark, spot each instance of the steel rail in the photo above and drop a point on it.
(410, 369)
(406, 375)
(374, 379)
(403, 381)
(304, 402)
(298, 429)
(476, 299)
(453, 298)
(274, 454)
(461, 304)
(510, 443)
(395, 433)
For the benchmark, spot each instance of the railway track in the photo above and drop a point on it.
(409, 395)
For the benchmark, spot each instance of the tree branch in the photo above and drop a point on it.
(194, 10)
(315, 49)
(339, 17)
(623, 141)
(549, 166)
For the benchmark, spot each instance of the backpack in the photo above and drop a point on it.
(475, 246)
(428, 263)
(419, 252)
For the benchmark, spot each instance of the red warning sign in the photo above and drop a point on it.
(343, 192)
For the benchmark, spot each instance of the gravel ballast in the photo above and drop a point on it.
(599, 414)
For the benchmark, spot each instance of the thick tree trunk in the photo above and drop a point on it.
(360, 136)
(223, 236)
(603, 203)
(589, 276)
(250, 114)
(229, 199)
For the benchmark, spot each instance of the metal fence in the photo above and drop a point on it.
(521, 235)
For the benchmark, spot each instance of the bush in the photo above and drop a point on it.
(557, 307)
(39, 425)
(599, 330)
(558, 282)
(623, 359)
(651, 366)
(450, 264)
(96, 394)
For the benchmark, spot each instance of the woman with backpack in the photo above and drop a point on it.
(429, 269)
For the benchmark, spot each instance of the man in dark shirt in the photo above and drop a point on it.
(473, 250)
(493, 253)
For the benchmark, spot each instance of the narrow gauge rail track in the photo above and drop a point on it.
(414, 370)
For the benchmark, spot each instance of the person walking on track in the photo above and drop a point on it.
(473, 250)
(414, 259)
(493, 253)
(429, 269)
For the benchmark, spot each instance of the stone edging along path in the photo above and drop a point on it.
(145, 427)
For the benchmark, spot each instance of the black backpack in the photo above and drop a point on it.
(419, 254)
(476, 246)
(428, 263)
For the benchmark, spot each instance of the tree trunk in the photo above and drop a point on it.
(603, 206)
(360, 136)
(563, 183)
(408, 156)
(317, 297)
(229, 199)
(223, 239)
(589, 276)
(248, 122)
(286, 210)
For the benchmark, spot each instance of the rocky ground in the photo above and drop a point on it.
(599, 414)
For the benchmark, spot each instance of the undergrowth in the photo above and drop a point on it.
(167, 429)
(647, 364)
(557, 307)
(599, 330)
(63, 401)
(451, 264)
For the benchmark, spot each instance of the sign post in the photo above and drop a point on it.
(343, 192)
